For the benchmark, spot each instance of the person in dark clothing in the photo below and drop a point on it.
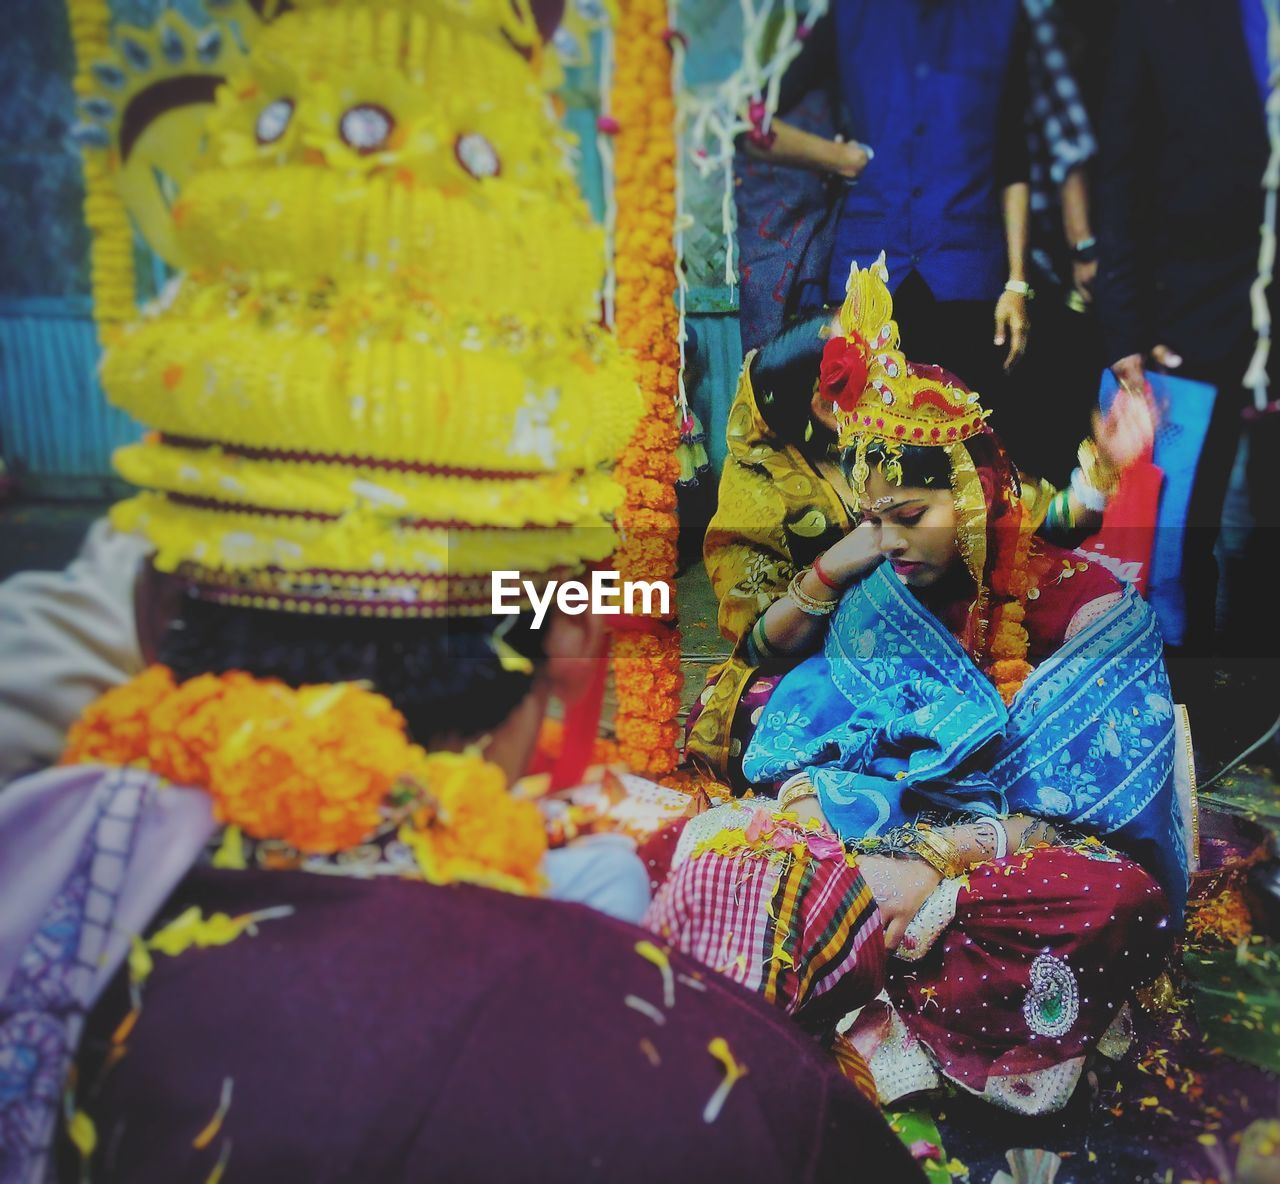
(1180, 204)
(931, 100)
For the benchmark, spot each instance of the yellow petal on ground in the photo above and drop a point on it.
(220, 1168)
(140, 963)
(230, 852)
(651, 953)
(214, 1125)
(82, 1133)
(733, 1071)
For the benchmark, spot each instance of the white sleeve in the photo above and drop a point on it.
(65, 638)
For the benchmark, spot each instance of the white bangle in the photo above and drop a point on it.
(1085, 493)
(1019, 288)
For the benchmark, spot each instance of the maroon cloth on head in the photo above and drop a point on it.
(396, 1031)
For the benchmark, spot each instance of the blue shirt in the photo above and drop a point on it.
(924, 84)
(1254, 19)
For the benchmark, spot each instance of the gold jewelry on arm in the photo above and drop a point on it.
(939, 852)
(1097, 473)
(811, 606)
(795, 789)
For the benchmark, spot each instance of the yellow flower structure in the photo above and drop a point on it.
(381, 373)
(647, 663)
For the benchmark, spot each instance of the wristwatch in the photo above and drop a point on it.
(1085, 251)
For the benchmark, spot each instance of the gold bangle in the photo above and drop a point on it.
(939, 853)
(811, 606)
(1098, 473)
(796, 790)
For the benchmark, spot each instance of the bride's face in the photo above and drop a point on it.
(917, 528)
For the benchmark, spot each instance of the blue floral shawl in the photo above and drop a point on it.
(892, 717)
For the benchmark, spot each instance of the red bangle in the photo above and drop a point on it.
(823, 577)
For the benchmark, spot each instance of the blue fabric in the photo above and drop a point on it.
(1253, 18)
(892, 717)
(1186, 409)
(921, 83)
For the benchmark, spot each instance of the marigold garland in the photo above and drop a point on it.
(647, 665)
(111, 266)
(1014, 573)
(321, 768)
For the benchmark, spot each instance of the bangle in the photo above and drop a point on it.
(761, 638)
(795, 789)
(1098, 473)
(939, 852)
(999, 836)
(823, 577)
(1059, 516)
(1019, 288)
(811, 606)
(1086, 250)
(1090, 498)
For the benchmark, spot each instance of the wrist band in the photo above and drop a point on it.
(811, 606)
(1019, 288)
(823, 577)
(998, 833)
(1090, 498)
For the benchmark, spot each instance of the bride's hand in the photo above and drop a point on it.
(900, 887)
(855, 555)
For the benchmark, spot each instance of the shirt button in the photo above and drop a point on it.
(918, 191)
(919, 129)
(922, 70)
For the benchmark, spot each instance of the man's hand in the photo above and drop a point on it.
(1130, 373)
(1082, 278)
(846, 158)
(1012, 325)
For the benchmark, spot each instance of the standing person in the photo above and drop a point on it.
(1065, 357)
(1181, 201)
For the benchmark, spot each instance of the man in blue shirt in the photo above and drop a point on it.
(932, 100)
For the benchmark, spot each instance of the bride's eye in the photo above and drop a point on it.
(910, 517)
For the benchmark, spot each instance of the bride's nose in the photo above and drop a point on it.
(891, 540)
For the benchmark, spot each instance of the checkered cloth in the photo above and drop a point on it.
(1059, 135)
(798, 927)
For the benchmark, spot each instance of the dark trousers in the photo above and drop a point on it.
(1040, 411)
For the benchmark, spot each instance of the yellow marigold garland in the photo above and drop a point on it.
(111, 266)
(647, 665)
(321, 768)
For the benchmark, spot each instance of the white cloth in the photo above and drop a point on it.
(65, 638)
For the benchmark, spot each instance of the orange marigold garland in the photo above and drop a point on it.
(1015, 573)
(647, 664)
(321, 768)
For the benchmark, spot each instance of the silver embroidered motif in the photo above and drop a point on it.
(1053, 1002)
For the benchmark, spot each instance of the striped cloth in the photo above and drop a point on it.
(778, 909)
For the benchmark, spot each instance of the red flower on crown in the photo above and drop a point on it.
(843, 374)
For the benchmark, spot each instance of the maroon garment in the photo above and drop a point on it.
(395, 1031)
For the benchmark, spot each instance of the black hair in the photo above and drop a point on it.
(784, 372)
(443, 675)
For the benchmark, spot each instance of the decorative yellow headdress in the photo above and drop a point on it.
(380, 374)
(879, 396)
